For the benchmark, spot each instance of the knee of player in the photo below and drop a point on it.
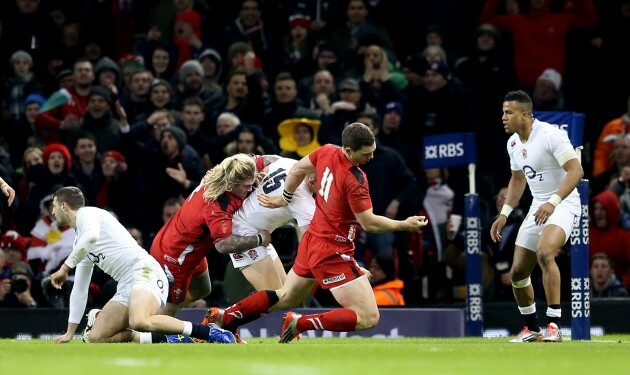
(545, 256)
(367, 320)
(138, 323)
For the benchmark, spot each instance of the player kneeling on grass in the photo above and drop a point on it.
(132, 314)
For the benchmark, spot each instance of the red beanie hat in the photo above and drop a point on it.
(299, 20)
(122, 161)
(59, 147)
(191, 17)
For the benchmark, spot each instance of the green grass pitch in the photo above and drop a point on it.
(608, 355)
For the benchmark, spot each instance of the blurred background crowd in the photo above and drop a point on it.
(134, 100)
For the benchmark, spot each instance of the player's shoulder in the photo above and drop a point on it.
(357, 175)
(549, 129)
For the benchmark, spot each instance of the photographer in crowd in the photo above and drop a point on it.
(15, 291)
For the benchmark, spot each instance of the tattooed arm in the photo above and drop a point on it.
(238, 244)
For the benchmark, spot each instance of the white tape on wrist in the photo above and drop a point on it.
(555, 200)
(506, 210)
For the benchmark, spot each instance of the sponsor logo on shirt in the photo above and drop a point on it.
(524, 154)
(334, 279)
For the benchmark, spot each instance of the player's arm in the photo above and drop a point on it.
(91, 232)
(78, 299)
(516, 188)
(238, 244)
(380, 224)
(572, 179)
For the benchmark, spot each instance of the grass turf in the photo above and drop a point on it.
(603, 355)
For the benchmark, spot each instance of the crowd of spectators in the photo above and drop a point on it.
(133, 101)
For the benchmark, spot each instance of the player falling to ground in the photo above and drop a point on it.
(132, 314)
(204, 221)
(261, 265)
(325, 253)
(542, 157)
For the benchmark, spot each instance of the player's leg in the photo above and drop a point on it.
(263, 275)
(358, 296)
(111, 325)
(147, 295)
(551, 240)
(522, 266)
(292, 293)
(554, 236)
(188, 284)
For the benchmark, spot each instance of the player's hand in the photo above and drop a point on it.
(497, 226)
(58, 278)
(66, 337)
(8, 192)
(414, 223)
(271, 201)
(266, 237)
(542, 214)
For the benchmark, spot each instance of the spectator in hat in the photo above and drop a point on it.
(488, 71)
(191, 83)
(107, 74)
(212, 64)
(344, 111)
(47, 175)
(162, 96)
(386, 286)
(14, 247)
(19, 85)
(298, 137)
(548, 95)
(187, 36)
(607, 236)
(98, 121)
(24, 133)
(298, 46)
(64, 79)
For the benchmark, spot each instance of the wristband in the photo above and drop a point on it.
(288, 197)
(555, 200)
(260, 239)
(506, 210)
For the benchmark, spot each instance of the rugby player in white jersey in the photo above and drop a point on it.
(542, 157)
(261, 265)
(132, 314)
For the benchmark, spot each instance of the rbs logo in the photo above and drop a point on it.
(447, 150)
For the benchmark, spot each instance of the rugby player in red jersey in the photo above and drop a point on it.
(325, 254)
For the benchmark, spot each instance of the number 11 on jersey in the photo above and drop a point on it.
(327, 180)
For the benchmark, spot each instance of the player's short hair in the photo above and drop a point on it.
(520, 97)
(357, 136)
(72, 195)
(232, 171)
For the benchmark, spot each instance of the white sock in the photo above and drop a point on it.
(187, 329)
(528, 309)
(145, 338)
(554, 313)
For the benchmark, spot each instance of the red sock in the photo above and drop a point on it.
(247, 310)
(339, 320)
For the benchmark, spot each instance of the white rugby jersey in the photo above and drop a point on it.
(252, 217)
(538, 160)
(104, 242)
